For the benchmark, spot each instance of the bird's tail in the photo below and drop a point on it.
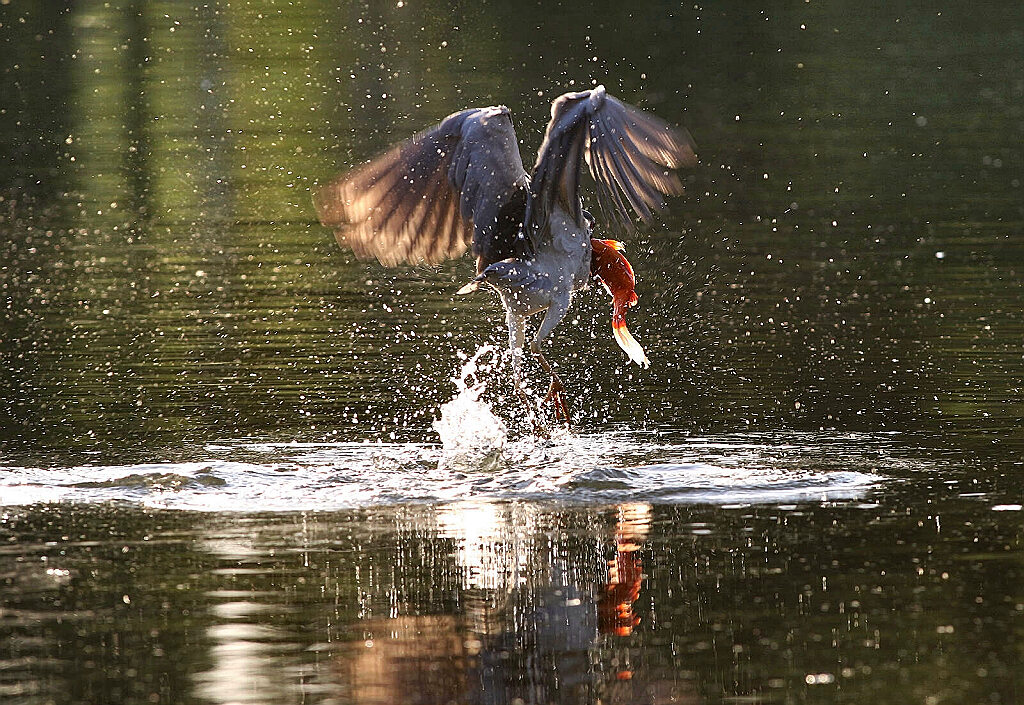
(608, 264)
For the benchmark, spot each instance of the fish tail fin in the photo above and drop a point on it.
(628, 343)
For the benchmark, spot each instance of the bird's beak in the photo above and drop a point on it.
(471, 286)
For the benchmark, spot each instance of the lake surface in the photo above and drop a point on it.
(238, 465)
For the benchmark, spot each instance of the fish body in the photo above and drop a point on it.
(613, 270)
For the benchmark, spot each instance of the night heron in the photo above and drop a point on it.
(462, 184)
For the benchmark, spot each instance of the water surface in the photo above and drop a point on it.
(239, 466)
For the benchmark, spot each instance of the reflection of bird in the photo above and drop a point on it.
(462, 183)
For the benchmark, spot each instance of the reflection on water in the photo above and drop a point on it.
(511, 616)
(538, 626)
(502, 602)
(625, 571)
(252, 656)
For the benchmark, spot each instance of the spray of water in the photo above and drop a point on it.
(472, 436)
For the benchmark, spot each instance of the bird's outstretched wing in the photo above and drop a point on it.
(630, 154)
(427, 198)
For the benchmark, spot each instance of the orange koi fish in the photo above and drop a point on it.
(613, 270)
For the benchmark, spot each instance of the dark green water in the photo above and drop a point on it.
(219, 478)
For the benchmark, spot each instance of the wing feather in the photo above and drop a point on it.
(629, 153)
(633, 185)
(430, 197)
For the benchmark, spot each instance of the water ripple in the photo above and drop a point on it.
(594, 468)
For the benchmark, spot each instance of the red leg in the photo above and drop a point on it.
(555, 389)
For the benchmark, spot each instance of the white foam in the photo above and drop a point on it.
(480, 463)
(472, 436)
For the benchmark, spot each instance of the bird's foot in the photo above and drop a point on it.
(554, 396)
(555, 389)
(531, 414)
(524, 397)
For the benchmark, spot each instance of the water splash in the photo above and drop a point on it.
(607, 467)
(472, 436)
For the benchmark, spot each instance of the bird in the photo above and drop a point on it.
(462, 185)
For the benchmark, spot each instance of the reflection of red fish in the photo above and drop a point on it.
(625, 574)
(608, 264)
(615, 607)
